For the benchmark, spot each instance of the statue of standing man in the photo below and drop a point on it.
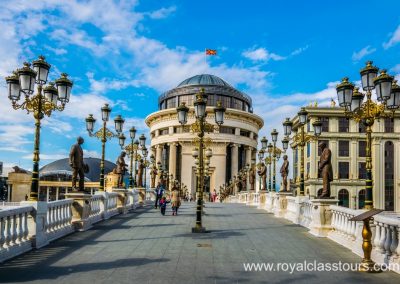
(77, 165)
(140, 173)
(284, 173)
(121, 168)
(262, 173)
(325, 167)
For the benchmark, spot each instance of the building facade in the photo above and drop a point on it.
(346, 139)
(233, 144)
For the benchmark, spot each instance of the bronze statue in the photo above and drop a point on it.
(140, 173)
(252, 177)
(325, 167)
(77, 165)
(284, 173)
(121, 168)
(262, 173)
(153, 175)
(243, 177)
(19, 170)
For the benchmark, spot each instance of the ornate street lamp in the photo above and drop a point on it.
(300, 139)
(200, 127)
(131, 150)
(366, 111)
(276, 153)
(104, 134)
(264, 143)
(145, 152)
(54, 97)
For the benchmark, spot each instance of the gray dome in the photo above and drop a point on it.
(62, 167)
(204, 79)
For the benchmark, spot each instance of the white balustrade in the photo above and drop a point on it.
(14, 231)
(112, 204)
(97, 205)
(59, 219)
(305, 217)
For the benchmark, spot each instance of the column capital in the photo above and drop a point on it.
(173, 144)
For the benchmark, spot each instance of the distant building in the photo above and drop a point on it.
(347, 141)
(233, 145)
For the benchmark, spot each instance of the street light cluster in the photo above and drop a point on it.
(200, 127)
(50, 98)
(360, 107)
(274, 154)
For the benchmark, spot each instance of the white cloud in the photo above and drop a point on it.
(261, 54)
(299, 50)
(357, 56)
(395, 69)
(394, 39)
(162, 13)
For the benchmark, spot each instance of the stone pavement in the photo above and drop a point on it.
(145, 247)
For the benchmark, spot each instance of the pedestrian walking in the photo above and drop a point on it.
(159, 193)
(163, 205)
(175, 200)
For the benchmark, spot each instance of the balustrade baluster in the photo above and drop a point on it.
(2, 232)
(26, 230)
(20, 230)
(388, 240)
(395, 241)
(382, 239)
(14, 229)
(377, 235)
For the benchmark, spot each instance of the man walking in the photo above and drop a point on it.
(159, 193)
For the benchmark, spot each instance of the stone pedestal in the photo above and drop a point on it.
(142, 195)
(262, 199)
(111, 181)
(80, 210)
(122, 203)
(21, 186)
(294, 213)
(270, 201)
(321, 216)
(280, 206)
(37, 222)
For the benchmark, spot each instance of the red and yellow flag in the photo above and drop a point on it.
(211, 52)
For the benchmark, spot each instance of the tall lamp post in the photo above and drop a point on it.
(145, 152)
(44, 102)
(276, 154)
(104, 134)
(300, 139)
(200, 127)
(131, 149)
(261, 160)
(367, 111)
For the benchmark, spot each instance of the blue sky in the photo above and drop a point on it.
(126, 53)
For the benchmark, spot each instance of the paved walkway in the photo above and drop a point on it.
(145, 247)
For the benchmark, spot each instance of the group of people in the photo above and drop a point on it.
(162, 200)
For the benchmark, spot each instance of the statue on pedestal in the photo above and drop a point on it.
(284, 173)
(77, 165)
(121, 169)
(262, 173)
(243, 177)
(140, 173)
(153, 175)
(325, 168)
(252, 177)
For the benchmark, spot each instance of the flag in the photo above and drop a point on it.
(211, 52)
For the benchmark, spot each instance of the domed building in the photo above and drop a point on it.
(233, 144)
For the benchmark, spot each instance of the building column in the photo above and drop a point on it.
(159, 149)
(248, 162)
(353, 169)
(235, 158)
(172, 161)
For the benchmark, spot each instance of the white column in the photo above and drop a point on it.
(159, 149)
(235, 157)
(172, 159)
(248, 162)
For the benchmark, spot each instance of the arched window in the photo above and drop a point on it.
(319, 192)
(343, 196)
(361, 199)
(389, 176)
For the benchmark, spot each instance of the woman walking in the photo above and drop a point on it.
(175, 200)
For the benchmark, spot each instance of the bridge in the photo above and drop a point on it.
(139, 245)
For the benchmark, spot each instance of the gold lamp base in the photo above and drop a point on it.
(369, 266)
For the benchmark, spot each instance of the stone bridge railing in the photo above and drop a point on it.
(324, 218)
(28, 225)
